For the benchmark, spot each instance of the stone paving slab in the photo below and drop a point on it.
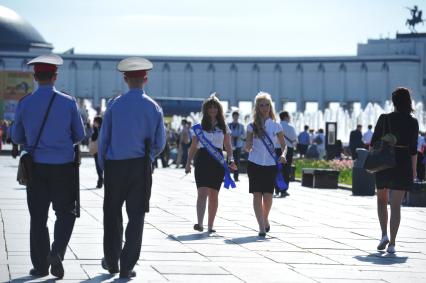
(324, 235)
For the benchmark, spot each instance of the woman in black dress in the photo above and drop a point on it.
(400, 178)
(209, 173)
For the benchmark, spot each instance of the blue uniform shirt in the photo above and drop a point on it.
(62, 130)
(304, 138)
(128, 121)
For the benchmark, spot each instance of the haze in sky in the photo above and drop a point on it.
(215, 28)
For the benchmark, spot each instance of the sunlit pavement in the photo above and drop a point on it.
(317, 235)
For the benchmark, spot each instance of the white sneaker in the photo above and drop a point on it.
(391, 249)
(383, 243)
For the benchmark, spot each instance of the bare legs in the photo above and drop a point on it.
(262, 204)
(382, 209)
(212, 195)
(382, 212)
(395, 214)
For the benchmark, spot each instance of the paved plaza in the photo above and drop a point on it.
(317, 235)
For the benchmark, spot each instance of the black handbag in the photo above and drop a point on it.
(25, 167)
(382, 155)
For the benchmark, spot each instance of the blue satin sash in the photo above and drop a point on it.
(214, 152)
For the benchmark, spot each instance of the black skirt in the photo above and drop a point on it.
(208, 172)
(261, 178)
(401, 176)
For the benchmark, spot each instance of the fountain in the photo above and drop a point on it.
(346, 121)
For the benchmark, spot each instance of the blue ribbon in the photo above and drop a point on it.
(214, 152)
(279, 179)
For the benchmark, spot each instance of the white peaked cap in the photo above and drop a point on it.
(134, 64)
(51, 59)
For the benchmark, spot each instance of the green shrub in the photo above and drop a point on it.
(344, 166)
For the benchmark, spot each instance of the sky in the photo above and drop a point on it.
(215, 27)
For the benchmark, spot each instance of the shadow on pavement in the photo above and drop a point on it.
(20, 189)
(245, 240)
(189, 237)
(32, 279)
(102, 277)
(382, 258)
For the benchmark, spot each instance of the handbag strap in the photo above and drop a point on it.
(43, 123)
(387, 123)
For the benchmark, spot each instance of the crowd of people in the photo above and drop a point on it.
(129, 137)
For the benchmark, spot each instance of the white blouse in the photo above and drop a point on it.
(259, 154)
(215, 137)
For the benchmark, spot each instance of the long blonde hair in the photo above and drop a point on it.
(257, 119)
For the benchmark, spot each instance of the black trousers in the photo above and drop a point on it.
(237, 156)
(286, 167)
(98, 168)
(51, 184)
(124, 182)
(420, 166)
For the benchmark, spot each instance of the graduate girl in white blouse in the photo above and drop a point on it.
(209, 173)
(261, 168)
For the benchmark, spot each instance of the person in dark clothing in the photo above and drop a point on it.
(400, 178)
(355, 140)
(132, 135)
(48, 125)
(93, 148)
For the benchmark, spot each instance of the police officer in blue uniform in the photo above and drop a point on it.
(54, 174)
(132, 134)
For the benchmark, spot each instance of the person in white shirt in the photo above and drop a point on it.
(209, 173)
(290, 138)
(366, 138)
(261, 168)
(237, 135)
(319, 140)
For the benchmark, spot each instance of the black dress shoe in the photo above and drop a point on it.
(38, 273)
(284, 194)
(100, 184)
(127, 274)
(105, 266)
(56, 267)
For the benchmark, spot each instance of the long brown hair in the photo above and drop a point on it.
(206, 123)
(401, 99)
(259, 126)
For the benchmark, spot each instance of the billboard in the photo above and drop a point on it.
(13, 86)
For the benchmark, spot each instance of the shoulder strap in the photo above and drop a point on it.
(289, 139)
(43, 123)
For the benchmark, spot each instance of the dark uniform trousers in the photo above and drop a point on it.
(420, 166)
(52, 183)
(286, 167)
(237, 156)
(124, 182)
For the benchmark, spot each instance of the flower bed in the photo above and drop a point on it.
(344, 166)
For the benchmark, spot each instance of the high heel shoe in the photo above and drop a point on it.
(267, 229)
(262, 234)
(383, 243)
(390, 249)
(198, 228)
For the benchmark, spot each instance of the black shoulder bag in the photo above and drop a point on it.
(25, 167)
(382, 155)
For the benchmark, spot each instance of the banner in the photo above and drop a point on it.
(13, 86)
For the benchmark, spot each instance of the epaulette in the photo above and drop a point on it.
(111, 100)
(25, 96)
